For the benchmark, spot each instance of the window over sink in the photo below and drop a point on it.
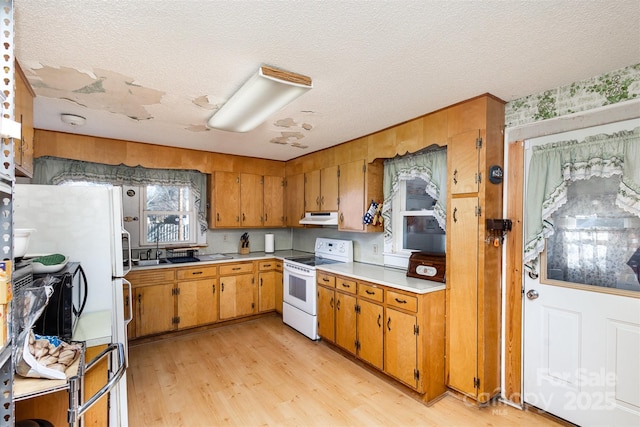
(168, 216)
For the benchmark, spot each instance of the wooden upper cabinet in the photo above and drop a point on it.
(351, 189)
(251, 200)
(226, 189)
(463, 157)
(273, 201)
(294, 200)
(321, 189)
(23, 113)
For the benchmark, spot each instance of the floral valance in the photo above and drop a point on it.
(431, 166)
(554, 165)
(55, 171)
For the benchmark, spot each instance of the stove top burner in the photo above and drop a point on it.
(312, 261)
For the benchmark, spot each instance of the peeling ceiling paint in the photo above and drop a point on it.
(403, 59)
(103, 90)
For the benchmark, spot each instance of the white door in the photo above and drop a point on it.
(582, 354)
(581, 346)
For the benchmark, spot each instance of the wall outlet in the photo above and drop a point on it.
(225, 237)
(375, 249)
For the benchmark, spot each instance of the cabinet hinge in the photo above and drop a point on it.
(364, 168)
(476, 383)
(479, 142)
(478, 211)
(283, 183)
(416, 330)
(338, 172)
(357, 345)
(262, 180)
(356, 308)
(479, 178)
(252, 280)
(175, 320)
(416, 375)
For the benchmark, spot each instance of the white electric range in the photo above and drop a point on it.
(299, 309)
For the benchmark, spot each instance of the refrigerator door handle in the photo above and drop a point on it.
(128, 239)
(127, 320)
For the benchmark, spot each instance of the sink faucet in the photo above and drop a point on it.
(148, 253)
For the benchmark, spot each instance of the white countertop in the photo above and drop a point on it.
(392, 277)
(94, 328)
(387, 276)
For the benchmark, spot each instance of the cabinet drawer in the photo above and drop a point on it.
(346, 285)
(267, 265)
(151, 277)
(279, 265)
(231, 269)
(371, 292)
(403, 301)
(326, 279)
(197, 272)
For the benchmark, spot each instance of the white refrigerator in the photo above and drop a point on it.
(85, 224)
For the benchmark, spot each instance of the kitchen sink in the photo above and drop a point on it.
(145, 262)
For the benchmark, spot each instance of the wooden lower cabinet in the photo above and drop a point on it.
(398, 332)
(269, 281)
(155, 309)
(401, 347)
(237, 297)
(346, 321)
(197, 296)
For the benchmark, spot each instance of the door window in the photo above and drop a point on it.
(594, 242)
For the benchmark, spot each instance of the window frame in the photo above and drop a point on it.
(144, 214)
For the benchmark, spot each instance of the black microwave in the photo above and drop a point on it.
(60, 316)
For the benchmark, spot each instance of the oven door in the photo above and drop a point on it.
(300, 287)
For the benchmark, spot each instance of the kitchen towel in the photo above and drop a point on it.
(269, 243)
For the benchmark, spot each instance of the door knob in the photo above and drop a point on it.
(533, 294)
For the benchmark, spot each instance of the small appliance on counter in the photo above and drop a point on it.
(427, 266)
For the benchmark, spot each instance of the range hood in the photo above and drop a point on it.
(320, 218)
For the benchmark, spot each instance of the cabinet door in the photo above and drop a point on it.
(236, 296)
(401, 346)
(267, 291)
(197, 302)
(351, 196)
(326, 314)
(251, 200)
(295, 199)
(23, 149)
(463, 154)
(329, 189)
(370, 332)
(154, 309)
(227, 199)
(346, 321)
(312, 191)
(131, 327)
(273, 201)
(462, 295)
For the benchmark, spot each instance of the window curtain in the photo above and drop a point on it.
(56, 171)
(431, 166)
(554, 165)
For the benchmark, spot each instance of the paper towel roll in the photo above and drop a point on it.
(269, 243)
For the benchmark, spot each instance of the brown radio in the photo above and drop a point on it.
(427, 266)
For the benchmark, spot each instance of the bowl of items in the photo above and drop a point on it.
(49, 263)
(21, 238)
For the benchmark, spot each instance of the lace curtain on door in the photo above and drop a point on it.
(553, 166)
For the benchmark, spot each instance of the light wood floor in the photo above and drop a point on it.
(263, 373)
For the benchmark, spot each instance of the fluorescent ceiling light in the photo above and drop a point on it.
(266, 92)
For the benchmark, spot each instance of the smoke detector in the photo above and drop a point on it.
(73, 119)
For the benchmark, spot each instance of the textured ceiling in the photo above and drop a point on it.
(155, 71)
